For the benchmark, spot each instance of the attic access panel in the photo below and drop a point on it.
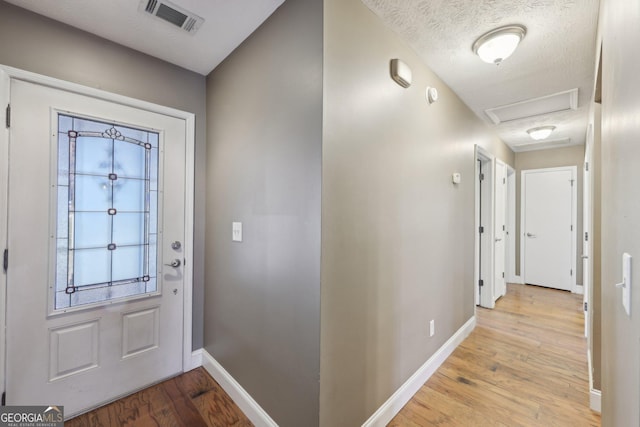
(561, 101)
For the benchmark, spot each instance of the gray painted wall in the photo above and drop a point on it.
(551, 158)
(41, 45)
(620, 22)
(397, 235)
(262, 317)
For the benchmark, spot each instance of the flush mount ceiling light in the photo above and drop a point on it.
(541, 132)
(497, 45)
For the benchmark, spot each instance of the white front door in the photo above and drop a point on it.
(96, 202)
(499, 230)
(548, 227)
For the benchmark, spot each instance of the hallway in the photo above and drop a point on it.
(525, 364)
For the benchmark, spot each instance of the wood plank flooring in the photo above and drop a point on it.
(525, 364)
(192, 399)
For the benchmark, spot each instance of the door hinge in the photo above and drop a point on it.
(4, 398)
(481, 230)
(8, 116)
(586, 166)
(585, 306)
(481, 282)
(481, 177)
(572, 227)
(5, 260)
(503, 274)
(503, 228)
(504, 180)
(586, 236)
(572, 182)
(571, 272)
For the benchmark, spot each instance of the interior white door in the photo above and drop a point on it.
(499, 230)
(485, 231)
(548, 233)
(96, 198)
(511, 226)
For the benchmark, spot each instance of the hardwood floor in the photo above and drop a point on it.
(525, 364)
(193, 399)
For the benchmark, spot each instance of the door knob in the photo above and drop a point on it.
(585, 256)
(533, 236)
(176, 246)
(498, 239)
(175, 263)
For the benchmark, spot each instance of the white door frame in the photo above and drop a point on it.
(4, 178)
(573, 170)
(587, 229)
(8, 73)
(500, 285)
(484, 298)
(511, 226)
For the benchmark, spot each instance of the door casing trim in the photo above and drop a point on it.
(488, 196)
(11, 73)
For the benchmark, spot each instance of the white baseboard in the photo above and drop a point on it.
(394, 404)
(516, 279)
(595, 396)
(579, 290)
(196, 359)
(595, 400)
(245, 402)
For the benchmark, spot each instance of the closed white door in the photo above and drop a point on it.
(499, 230)
(548, 231)
(96, 199)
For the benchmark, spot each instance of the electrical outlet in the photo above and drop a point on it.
(432, 327)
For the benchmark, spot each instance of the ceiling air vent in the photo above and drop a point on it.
(173, 14)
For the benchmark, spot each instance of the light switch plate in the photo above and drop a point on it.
(236, 231)
(626, 279)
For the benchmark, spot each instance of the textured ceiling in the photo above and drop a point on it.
(557, 54)
(227, 24)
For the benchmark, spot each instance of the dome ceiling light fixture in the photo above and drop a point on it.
(541, 132)
(498, 44)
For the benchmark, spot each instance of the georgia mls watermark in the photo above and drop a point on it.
(31, 416)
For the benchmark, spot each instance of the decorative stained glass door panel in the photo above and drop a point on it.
(107, 210)
(96, 197)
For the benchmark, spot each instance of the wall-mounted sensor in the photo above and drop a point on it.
(431, 94)
(401, 73)
(456, 178)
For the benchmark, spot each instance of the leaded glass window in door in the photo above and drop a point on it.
(107, 196)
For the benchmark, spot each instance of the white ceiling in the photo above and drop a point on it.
(227, 23)
(557, 54)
